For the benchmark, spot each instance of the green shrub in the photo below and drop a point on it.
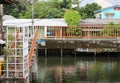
(72, 17)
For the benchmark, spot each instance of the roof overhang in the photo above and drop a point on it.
(6, 1)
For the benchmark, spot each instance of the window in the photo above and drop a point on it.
(109, 15)
(116, 8)
(50, 31)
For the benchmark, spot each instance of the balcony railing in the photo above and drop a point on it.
(82, 32)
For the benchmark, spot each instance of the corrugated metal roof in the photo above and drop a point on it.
(102, 3)
(37, 22)
(55, 22)
(99, 21)
(51, 22)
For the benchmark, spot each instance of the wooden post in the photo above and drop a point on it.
(34, 78)
(34, 70)
(61, 62)
(61, 52)
(75, 55)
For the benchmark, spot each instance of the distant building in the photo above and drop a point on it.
(112, 12)
(110, 8)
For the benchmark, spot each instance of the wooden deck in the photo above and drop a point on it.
(88, 37)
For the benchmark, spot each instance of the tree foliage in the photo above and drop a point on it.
(107, 29)
(48, 9)
(111, 29)
(66, 4)
(74, 31)
(14, 9)
(72, 17)
(88, 10)
(45, 10)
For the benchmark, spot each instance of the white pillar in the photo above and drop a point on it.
(28, 80)
(45, 31)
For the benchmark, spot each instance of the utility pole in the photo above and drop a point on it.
(32, 2)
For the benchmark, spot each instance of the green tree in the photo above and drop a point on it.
(111, 29)
(117, 30)
(74, 31)
(48, 9)
(26, 2)
(14, 9)
(107, 30)
(66, 4)
(72, 17)
(88, 10)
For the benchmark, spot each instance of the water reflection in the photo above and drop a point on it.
(78, 70)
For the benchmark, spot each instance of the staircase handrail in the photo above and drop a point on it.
(31, 52)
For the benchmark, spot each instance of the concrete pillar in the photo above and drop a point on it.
(45, 52)
(94, 54)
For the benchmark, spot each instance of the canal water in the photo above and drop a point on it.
(78, 70)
